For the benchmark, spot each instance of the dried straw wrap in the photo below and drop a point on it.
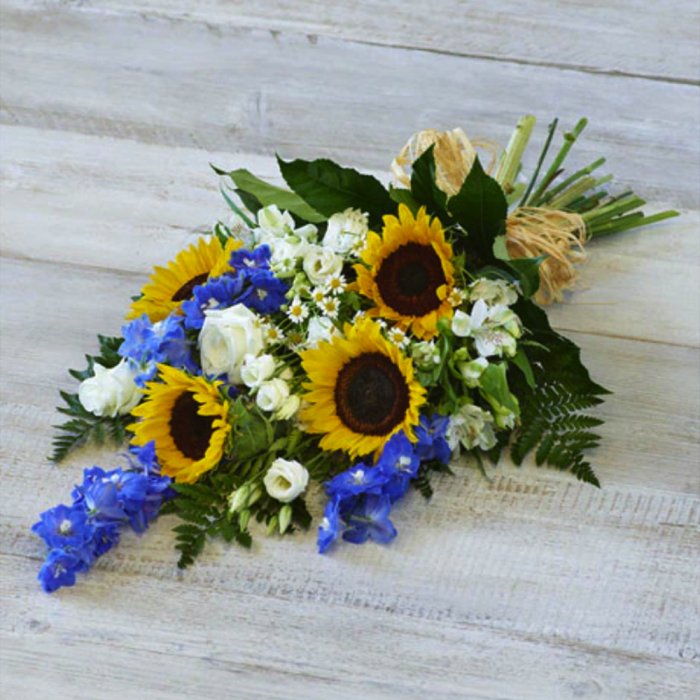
(530, 231)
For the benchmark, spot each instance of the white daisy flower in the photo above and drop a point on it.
(397, 336)
(318, 296)
(336, 283)
(330, 306)
(457, 297)
(297, 311)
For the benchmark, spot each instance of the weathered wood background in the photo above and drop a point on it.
(528, 586)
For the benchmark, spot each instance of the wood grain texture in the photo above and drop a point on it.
(530, 586)
(574, 36)
(256, 91)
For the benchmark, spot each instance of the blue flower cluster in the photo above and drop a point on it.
(146, 344)
(102, 504)
(361, 497)
(252, 283)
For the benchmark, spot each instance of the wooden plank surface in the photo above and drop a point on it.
(529, 586)
(237, 89)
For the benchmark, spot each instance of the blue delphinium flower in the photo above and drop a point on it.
(64, 526)
(358, 479)
(329, 528)
(146, 344)
(218, 293)
(59, 570)
(104, 502)
(258, 258)
(266, 293)
(398, 464)
(432, 443)
(371, 520)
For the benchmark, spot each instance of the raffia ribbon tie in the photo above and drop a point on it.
(530, 231)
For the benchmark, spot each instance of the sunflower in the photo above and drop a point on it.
(361, 390)
(187, 418)
(408, 272)
(171, 285)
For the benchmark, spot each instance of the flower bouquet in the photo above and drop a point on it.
(344, 333)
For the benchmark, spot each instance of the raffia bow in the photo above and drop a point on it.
(530, 231)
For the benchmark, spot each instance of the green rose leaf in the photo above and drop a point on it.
(330, 188)
(527, 270)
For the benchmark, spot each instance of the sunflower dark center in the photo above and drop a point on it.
(371, 394)
(185, 292)
(409, 278)
(191, 432)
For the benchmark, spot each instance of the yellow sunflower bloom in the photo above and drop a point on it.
(408, 272)
(171, 285)
(361, 390)
(187, 418)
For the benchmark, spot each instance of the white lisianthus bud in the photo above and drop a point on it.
(238, 500)
(472, 371)
(272, 394)
(426, 354)
(285, 480)
(227, 336)
(256, 370)
(345, 231)
(289, 408)
(320, 264)
(461, 324)
(285, 518)
(111, 392)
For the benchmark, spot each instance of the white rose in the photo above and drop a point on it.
(227, 336)
(345, 231)
(274, 222)
(286, 479)
(272, 394)
(288, 409)
(111, 392)
(320, 264)
(256, 370)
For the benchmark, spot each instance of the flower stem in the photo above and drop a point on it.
(510, 163)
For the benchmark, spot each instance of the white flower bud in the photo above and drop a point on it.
(111, 392)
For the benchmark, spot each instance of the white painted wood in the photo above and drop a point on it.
(531, 586)
(144, 206)
(575, 36)
(227, 88)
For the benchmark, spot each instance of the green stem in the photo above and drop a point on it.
(609, 211)
(569, 140)
(573, 193)
(570, 180)
(543, 155)
(629, 222)
(510, 163)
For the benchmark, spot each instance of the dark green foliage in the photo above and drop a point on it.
(82, 425)
(204, 509)
(424, 188)
(550, 412)
(330, 188)
(480, 208)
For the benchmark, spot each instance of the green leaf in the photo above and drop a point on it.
(494, 386)
(268, 194)
(403, 196)
(423, 186)
(330, 188)
(527, 270)
(480, 207)
(520, 360)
